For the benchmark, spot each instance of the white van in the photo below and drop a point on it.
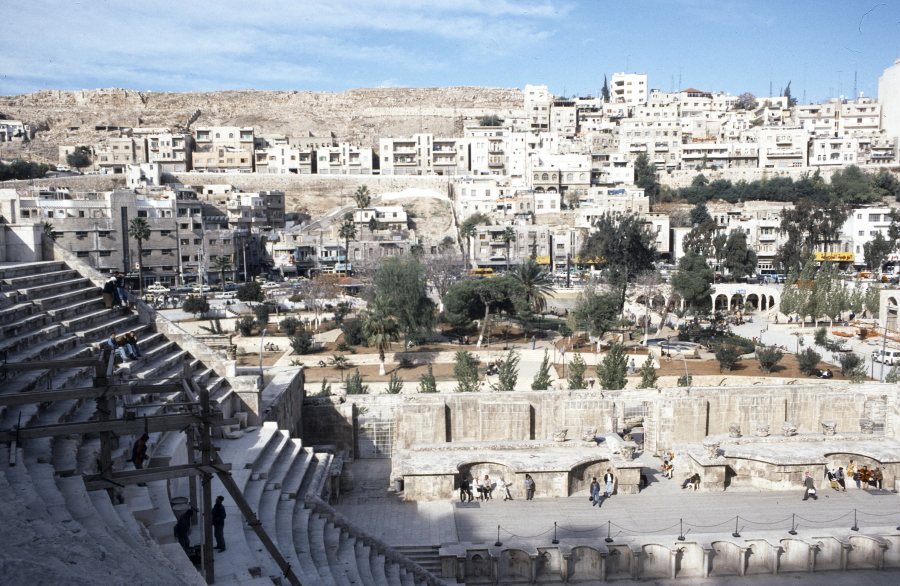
(888, 356)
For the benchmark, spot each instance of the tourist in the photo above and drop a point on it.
(120, 290)
(831, 476)
(631, 369)
(529, 487)
(667, 469)
(120, 350)
(503, 485)
(841, 479)
(476, 484)
(595, 492)
(486, 487)
(863, 475)
(533, 341)
(109, 293)
(877, 478)
(132, 345)
(695, 480)
(465, 490)
(139, 452)
(809, 488)
(183, 528)
(608, 478)
(218, 522)
(591, 382)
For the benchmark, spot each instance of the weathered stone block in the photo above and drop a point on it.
(828, 427)
(788, 429)
(734, 430)
(559, 434)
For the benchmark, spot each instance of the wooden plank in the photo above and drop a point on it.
(52, 364)
(85, 393)
(156, 423)
(127, 477)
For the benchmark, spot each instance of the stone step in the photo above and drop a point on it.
(56, 301)
(376, 564)
(35, 325)
(16, 312)
(32, 268)
(293, 480)
(75, 309)
(406, 579)
(44, 345)
(29, 281)
(346, 554)
(91, 318)
(117, 325)
(263, 465)
(321, 474)
(54, 289)
(427, 556)
(283, 534)
(318, 549)
(363, 562)
(332, 540)
(300, 532)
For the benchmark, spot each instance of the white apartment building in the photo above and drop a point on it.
(224, 149)
(611, 169)
(837, 151)
(628, 88)
(861, 227)
(385, 217)
(284, 159)
(889, 98)
(660, 139)
(484, 195)
(424, 154)
(781, 146)
(11, 130)
(344, 159)
(537, 105)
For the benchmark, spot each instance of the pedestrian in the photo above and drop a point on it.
(694, 479)
(810, 488)
(877, 478)
(608, 478)
(591, 382)
(529, 487)
(183, 528)
(631, 369)
(595, 492)
(218, 522)
(139, 452)
(120, 349)
(533, 341)
(841, 479)
(465, 490)
(503, 485)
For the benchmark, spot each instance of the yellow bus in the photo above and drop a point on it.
(481, 273)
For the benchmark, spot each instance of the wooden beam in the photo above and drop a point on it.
(155, 423)
(127, 477)
(85, 393)
(52, 364)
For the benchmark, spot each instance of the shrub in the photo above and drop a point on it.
(353, 333)
(325, 391)
(302, 342)
(195, 305)
(466, 372)
(244, 325)
(290, 325)
(648, 374)
(340, 312)
(728, 355)
(406, 363)
(768, 357)
(427, 384)
(262, 315)
(577, 368)
(894, 375)
(508, 374)
(542, 379)
(808, 360)
(344, 347)
(355, 385)
(395, 384)
(849, 361)
(685, 380)
(251, 291)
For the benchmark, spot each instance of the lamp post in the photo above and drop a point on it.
(261, 340)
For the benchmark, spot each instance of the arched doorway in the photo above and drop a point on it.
(721, 302)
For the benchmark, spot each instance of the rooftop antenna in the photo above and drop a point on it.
(804, 84)
(679, 79)
(673, 84)
(854, 84)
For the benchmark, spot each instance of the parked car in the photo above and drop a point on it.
(889, 356)
(225, 295)
(196, 289)
(229, 286)
(157, 289)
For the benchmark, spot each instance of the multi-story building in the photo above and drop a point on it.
(424, 154)
(553, 247)
(861, 227)
(537, 105)
(344, 159)
(780, 147)
(113, 155)
(11, 130)
(628, 88)
(282, 158)
(224, 149)
(259, 212)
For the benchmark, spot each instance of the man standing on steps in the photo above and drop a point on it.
(218, 522)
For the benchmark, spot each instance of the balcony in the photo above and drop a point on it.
(784, 153)
(404, 161)
(330, 259)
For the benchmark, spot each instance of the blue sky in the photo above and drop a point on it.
(185, 45)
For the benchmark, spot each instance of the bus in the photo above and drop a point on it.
(481, 273)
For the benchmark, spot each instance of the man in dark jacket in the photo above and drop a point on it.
(183, 528)
(810, 488)
(218, 522)
(139, 452)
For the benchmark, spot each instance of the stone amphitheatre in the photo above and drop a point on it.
(362, 489)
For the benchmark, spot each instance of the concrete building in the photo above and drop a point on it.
(344, 159)
(424, 154)
(283, 159)
(781, 147)
(114, 155)
(538, 102)
(224, 149)
(628, 88)
(889, 98)
(862, 225)
(171, 151)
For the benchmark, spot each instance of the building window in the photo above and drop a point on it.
(83, 253)
(142, 213)
(196, 241)
(105, 253)
(165, 232)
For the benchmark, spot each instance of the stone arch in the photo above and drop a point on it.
(726, 559)
(537, 176)
(736, 302)
(545, 177)
(553, 176)
(585, 563)
(753, 299)
(655, 561)
(549, 564)
(582, 177)
(478, 564)
(828, 554)
(551, 190)
(494, 471)
(866, 552)
(771, 301)
(721, 302)
(570, 176)
(794, 556)
(514, 566)
(580, 476)
(539, 190)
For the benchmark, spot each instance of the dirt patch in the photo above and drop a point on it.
(787, 368)
(252, 359)
(369, 372)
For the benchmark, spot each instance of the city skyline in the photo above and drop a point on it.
(824, 49)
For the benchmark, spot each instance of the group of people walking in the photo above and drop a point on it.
(608, 481)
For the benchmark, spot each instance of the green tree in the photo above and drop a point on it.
(362, 197)
(509, 236)
(851, 185)
(427, 383)
(467, 231)
(599, 312)
(624, 246)
(536, 283)
(877, 250)
(508, 373)
(692, 282)
(48, 231)
(79, 158)
(728, 355)
(401, 290)
(355, 384)
(340, 362)
(699, 214)
(262, 316)
(648, 374)
(221, 265)
(746, 101)
(244, 325)
(22, 170)
(872, 299)
(541, 380)
(380, 330)
(645, 177)
(577, 368)
(466, 372)
(807, 361)
(604, 93)
(195, 305)
(469, 300)
(347, 231)
(490, 120)
(139, 229)
(740, 259)
(395, 384)
(250, 291)
(612, 370)
(290, 325)
(791, 102)
(768, 357)
(325, 390)
(893, 376)
(302, 342)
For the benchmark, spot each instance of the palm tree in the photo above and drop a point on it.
(362, 197)
(140, 231)
(380, 330)
(347, 232)
(536, 282)
(222, 264)
(509, 235)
